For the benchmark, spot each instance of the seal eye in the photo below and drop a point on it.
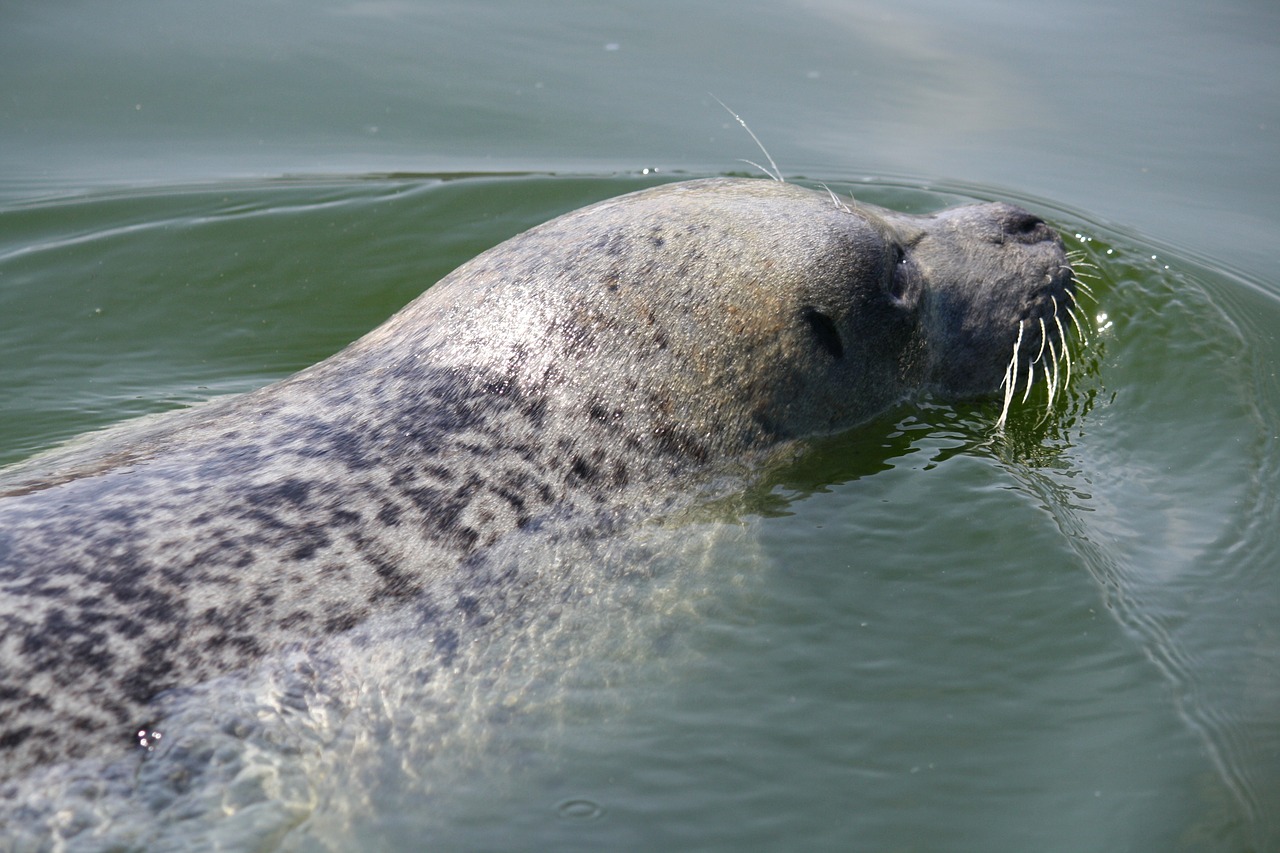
(824, 331)
(898, 278)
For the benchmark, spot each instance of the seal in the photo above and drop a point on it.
(583, 375)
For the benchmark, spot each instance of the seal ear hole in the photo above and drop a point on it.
(824, 331)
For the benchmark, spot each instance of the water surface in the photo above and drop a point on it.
(922, 635)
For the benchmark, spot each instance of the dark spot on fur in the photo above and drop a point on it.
(678, 442)
(612, 244)
(293, 492)
(389, 515)
(310, 538)
(534, 410)
(469, 605)
(395, 582)
(91, 652)
(343, 622)
(248, 646)
(353, 450)
(582, 470)
(439, 473)
(295, 620)
(130, 628)
(14, 737)
(150, 677)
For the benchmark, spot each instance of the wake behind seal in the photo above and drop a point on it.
(584, 374)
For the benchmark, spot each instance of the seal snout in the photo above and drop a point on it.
(1021, 225)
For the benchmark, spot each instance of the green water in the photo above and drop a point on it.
(917, 636)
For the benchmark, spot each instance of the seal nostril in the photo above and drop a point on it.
(1023, 223)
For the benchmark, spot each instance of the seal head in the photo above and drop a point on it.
(988, 277)
(739, 312)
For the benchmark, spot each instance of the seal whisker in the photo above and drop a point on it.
(835, 199)
(1077, 257)
(776, 174)
(1079, 274)
(1071, 312)
(758, 166)
(1062, 333)
(1080, 327)
(1052, 377)
(1031, 380)
(1066, 363)
(1010, 379)
(1083, 290)
(1013, 362)
(1043, 338)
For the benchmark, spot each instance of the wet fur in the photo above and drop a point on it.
(596, 368)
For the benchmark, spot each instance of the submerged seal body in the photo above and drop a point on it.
(583, 373)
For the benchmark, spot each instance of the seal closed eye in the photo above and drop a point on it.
(591, 371)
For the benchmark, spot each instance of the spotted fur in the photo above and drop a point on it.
(597, 367)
